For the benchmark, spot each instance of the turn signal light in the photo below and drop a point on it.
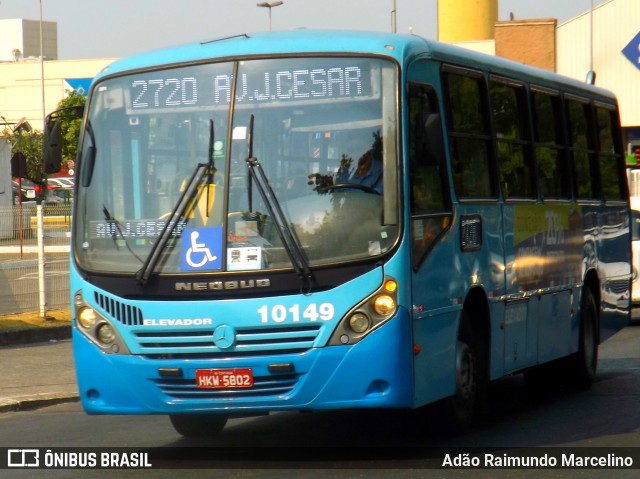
(390, 286)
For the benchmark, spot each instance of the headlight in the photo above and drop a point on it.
(87, 317)
(106, 334)
(384, 304)
(359, 323)
(367, 315)
(98, 327)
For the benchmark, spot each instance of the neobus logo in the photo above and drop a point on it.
(223, 285)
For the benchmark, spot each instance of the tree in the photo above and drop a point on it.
(70, 127)
(30, 145)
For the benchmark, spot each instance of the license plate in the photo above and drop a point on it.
(224, 378)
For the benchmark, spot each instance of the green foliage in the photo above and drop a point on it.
(30, 145)
(70, 127)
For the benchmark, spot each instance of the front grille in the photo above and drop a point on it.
(186, 389)
(121, 312)
(199, 344)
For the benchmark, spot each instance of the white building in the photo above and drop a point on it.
(30, 87)
(20, 39)
(614, 54)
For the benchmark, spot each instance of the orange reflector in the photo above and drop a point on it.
(416, 349)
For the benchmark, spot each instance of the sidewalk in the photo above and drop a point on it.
(37, 367)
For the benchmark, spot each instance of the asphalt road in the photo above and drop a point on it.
(367, 444)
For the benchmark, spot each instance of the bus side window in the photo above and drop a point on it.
(581, 149)
(430, 204)
(508, 107)
(550, 152)
(609, 156)
(469, 137)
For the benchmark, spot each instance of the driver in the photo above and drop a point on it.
(368, 171)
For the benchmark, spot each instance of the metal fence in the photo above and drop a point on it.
(34, 265)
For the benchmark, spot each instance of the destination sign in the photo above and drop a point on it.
(259, 82)
(132, 229)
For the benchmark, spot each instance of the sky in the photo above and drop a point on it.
(116, 28)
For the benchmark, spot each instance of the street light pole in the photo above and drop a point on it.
(591, 74)
(42, 68)
(42, 296)
(269, 5)
(394, 28)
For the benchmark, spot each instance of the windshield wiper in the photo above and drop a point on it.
(118, 229)
(288, 237)
(186, 198)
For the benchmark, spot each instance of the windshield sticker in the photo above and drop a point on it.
(201, 249)
(374, 248)
(243, 258)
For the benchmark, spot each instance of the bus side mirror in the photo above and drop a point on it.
(52, 148)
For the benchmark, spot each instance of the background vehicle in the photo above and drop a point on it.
(463, 218)
(27, 190)
(61, 182)
(58, 196)
(635, 237)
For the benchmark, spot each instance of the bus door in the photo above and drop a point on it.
(431, 250)
(519, 324)
(522, 220)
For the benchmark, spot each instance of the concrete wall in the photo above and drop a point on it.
(21, 86)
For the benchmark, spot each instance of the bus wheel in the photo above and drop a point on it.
(454, 414)
(198, 425)
(464, 400)
(580, 369)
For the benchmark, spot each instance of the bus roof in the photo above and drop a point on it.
(402, 48)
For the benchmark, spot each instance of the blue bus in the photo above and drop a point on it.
(316, 220)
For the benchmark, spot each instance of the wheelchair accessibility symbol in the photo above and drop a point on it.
(201, 249)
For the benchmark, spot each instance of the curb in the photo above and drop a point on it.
(35, 335)
(36, 401)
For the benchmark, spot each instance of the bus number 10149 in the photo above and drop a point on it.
(295, 314)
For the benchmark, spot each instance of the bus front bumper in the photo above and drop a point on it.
(377, 372)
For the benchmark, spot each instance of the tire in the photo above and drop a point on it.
(463, 402)
(198, 425)
(455, 414)
(581, 367)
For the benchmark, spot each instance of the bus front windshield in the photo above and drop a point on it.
(171, 161)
